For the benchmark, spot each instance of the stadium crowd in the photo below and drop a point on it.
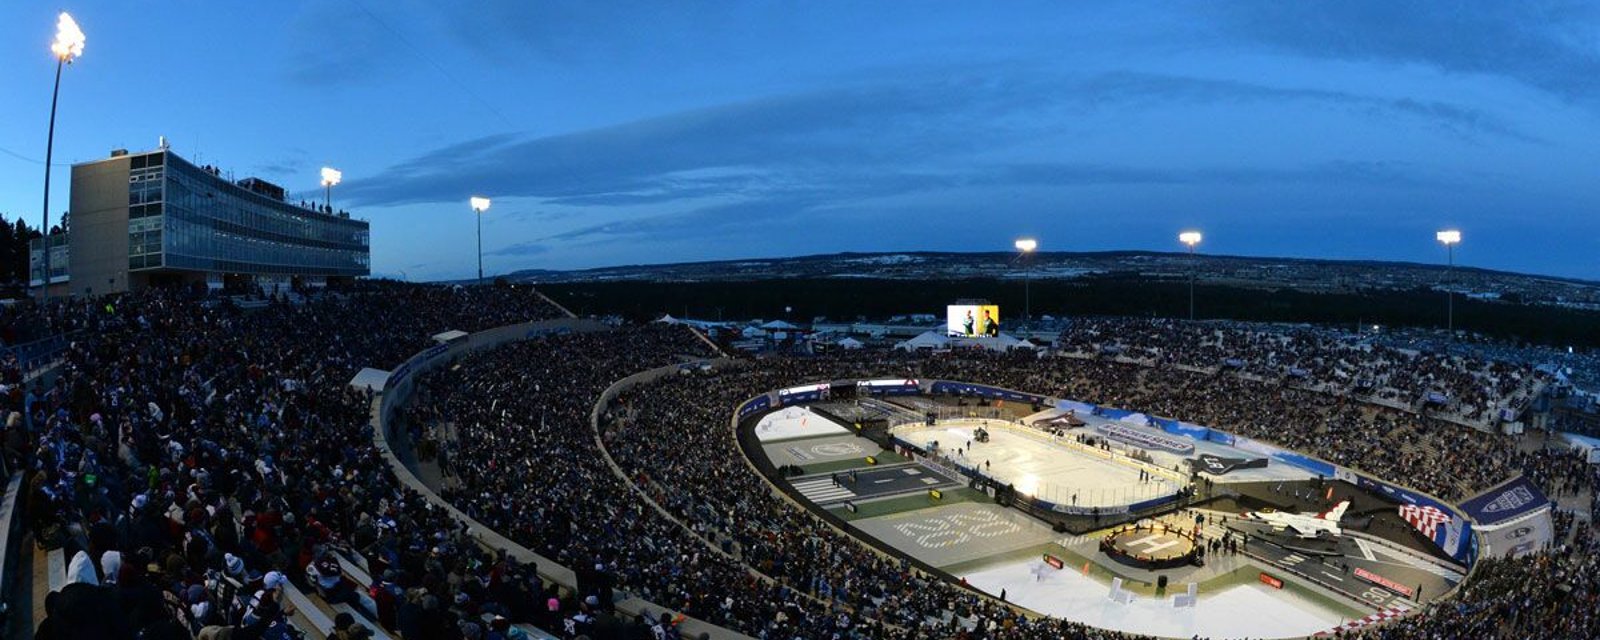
(672, 439)
(197, 460)
(1324, 358)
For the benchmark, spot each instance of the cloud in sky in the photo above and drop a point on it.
(646, 131)
(1549, 45)
(816, 140)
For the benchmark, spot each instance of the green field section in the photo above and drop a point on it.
(903, 504)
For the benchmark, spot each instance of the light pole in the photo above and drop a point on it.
(1450, 238)
(67, 46)
(1190, 238)
(330, 177)
(1025, 247)
(480, 204)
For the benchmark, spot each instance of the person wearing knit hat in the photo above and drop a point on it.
(233, 565)
(110, 566)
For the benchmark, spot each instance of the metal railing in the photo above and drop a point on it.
(31, 356)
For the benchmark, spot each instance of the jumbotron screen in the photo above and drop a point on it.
(973, 320)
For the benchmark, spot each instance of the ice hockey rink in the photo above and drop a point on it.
(1275, 470)
(1040, 468)
(1246, 610)
(795, 422)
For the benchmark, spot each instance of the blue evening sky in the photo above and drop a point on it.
(628, 132)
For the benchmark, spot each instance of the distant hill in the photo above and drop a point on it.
(1300, 274)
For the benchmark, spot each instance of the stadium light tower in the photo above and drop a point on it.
(330, 177)
(1191, 238)
(1025, 248)
(1450, 238)
(67, 46)
(480, 204)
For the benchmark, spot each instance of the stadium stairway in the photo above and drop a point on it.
(311, 615)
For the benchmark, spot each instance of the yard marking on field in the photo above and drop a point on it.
(822, 490)
(1333, 576)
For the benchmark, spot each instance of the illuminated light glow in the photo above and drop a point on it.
(1449, 236)
(69, 38)
(1190, 238)
(480, 204)
(331, 176)
(1026, 245)
(1028, 485)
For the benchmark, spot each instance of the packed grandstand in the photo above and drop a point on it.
(204, 467)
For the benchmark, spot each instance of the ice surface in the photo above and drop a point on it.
(1250, 610)
(795, 422)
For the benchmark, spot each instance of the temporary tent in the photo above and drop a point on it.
(925, 340)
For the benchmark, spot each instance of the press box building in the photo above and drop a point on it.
(153, 218)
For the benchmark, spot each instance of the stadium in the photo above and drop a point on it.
(536, 456)
(227, 411)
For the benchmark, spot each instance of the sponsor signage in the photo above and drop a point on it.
(1054, 561)
(1143, 438)
(1384, 582)
(967, 389)
(1508, 501)
(806, 393)
(1217, 465)
(1271, 581)
(1063, 420)
(756, 405)
(888, 387)
(791, 391)
(887, 383)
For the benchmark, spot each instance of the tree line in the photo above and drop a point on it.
(14, 238)
(802, 299)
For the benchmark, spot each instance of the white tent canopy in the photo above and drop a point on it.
(779, 325)
(850, 343)
(926, 340)
(449, 336)
(370, 378)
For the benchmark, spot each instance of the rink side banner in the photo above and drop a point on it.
(1115, 414)
(755, 405)
(1145, 439)
(1452, 535)
(889, 387)
(1191, 431)
(1221, 437)
(1308, 463)
(806, 393)
(969, 389)
(1080, 408)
